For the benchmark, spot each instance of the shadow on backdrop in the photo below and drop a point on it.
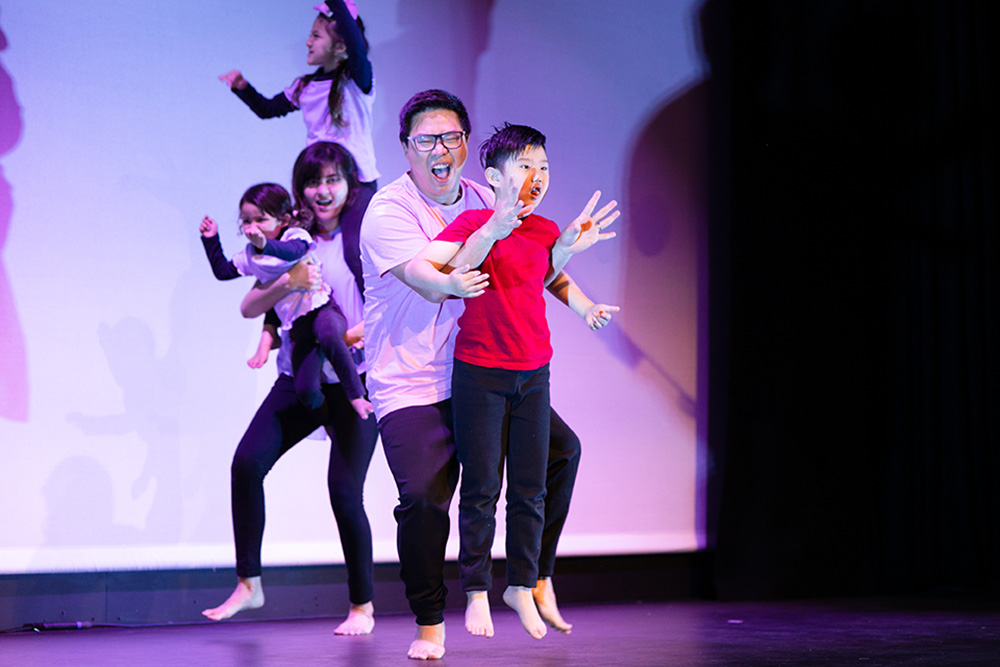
(665, 267)
(13, 364)
(152, 388)
(444, 27)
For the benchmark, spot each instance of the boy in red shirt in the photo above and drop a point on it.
(500, 377)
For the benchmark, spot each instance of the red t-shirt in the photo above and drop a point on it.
(505, 327)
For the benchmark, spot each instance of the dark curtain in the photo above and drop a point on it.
(854, 284)
(941, 496)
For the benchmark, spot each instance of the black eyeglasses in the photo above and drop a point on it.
(427, 142)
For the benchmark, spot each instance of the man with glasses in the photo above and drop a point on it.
(409, 340)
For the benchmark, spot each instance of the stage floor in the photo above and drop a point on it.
(840, 632)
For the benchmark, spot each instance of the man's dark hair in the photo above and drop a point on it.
(429, 100)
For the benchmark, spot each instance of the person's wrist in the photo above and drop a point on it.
(560, 253)
(489, 231)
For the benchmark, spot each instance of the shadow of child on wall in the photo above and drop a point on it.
(13, 365)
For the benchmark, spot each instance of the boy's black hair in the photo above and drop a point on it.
(429, 100)
(508, 142)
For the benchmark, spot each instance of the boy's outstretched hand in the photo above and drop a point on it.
(588, 227)
(599, 315)
(507, 215)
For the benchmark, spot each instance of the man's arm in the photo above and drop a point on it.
(430, 273)
(448, 268)
(392, 237)
(400, 273)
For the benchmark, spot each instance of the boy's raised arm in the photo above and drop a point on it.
(507, 215)
(450, 269)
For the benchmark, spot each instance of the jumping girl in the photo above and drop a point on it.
(337, 99)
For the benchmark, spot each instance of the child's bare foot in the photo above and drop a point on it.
(428, 643)
(545, 599)
(257, 360)
(519, 599)
(360, 620)
(362, 407)
(249, 594)
(478, 620)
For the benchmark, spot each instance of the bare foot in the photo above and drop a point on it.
(249, 594)
(428, 643)
(478, 621)
(360, 620)
(362, 407)
(545, 599)
(519, 599)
